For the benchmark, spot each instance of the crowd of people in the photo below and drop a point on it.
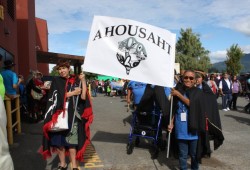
(190, 87)
(195, 110)
(216, 82)
(32, 92)
(13, 85)
(196, 118)
(108, 87)
(194, 123)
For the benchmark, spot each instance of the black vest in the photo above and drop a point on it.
(225, 88)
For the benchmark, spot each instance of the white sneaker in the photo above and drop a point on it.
(228, 109)
(225, 110)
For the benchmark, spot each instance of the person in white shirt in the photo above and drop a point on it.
(225, 87)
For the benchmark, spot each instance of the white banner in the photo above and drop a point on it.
(131, 50)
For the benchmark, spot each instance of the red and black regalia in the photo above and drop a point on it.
(55, 105)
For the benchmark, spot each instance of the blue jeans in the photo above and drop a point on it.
(93, 91)
(184, 147)
(226, 99)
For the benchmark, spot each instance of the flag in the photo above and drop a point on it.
(131, 50)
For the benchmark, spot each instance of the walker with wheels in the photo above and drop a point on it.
(145, 125)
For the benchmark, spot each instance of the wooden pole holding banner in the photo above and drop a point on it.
(170, 119)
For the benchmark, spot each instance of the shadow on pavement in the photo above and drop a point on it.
(112, 137)
(240, 119)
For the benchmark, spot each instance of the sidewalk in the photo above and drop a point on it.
(24, 151)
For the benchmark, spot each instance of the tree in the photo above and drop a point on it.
(54, 72)
(190, 53)
(91, 76)
(234, 54)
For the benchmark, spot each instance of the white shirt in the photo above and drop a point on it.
(227, 81)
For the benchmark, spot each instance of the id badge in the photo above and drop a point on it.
(183, 117)
(66, 104)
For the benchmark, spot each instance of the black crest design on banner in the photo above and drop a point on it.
(130, 53)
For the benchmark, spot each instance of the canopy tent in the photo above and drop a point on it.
(103, 77)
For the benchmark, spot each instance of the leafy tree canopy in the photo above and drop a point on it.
(190, 53)
(234, 54)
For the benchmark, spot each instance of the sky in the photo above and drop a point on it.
(219, 23)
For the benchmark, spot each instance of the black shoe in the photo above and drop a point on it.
(75, 169)
(62, 168)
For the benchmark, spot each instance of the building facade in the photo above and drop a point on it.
(22, 35)
(24, 39)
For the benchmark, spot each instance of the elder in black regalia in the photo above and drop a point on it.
(203, 117)
(66, 88)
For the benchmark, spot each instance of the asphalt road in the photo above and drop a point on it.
(109, 133)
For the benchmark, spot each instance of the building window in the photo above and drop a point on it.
(6, 55)
(11, 8)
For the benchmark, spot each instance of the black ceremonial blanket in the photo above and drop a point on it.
(56, 105)
(204, 117)
(154, 95)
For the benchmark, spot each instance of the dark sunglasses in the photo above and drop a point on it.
(187, 77)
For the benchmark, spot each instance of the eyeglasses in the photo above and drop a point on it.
(187, 77)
